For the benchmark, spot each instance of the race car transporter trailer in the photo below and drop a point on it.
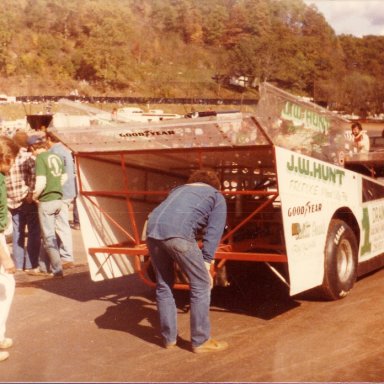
(298, 199)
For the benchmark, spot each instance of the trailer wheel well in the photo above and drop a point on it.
(348, 217)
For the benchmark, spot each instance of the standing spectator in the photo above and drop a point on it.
(172, 233)
(20, 183)
(63, 228)
(50, 177)
(8, 151)
(360, 142)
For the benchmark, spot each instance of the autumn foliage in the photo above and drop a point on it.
(185, 48)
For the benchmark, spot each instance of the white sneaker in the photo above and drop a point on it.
(4, 355)
(38, 272)
(6, 343)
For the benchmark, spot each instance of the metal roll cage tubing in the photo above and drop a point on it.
(224, 252)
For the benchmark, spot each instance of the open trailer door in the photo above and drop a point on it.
(126, 170)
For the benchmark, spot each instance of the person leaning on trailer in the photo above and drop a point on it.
(172, 229)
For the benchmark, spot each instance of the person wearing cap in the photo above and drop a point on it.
(50, 176)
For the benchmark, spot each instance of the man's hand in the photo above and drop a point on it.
(8, 264)
(208, 266)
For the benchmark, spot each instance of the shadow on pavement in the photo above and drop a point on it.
(255, 292)
(77, 285)
(132, 315)
(131, 305)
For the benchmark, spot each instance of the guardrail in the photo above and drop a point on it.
(139, 100)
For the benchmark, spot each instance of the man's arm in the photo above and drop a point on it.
(64, 178)
(366, 143)
(30, 173)
(214, 229)
(41, 182)
(30, 177)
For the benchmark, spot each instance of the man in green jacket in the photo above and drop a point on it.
(50, 177)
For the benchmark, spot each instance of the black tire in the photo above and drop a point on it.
(340, 261)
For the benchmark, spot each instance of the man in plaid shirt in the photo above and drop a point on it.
(20, 184)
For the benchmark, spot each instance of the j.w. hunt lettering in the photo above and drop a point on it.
(309, 119)
(310, 168)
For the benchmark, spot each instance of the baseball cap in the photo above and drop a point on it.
(35, 139)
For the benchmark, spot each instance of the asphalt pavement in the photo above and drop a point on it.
(76, 330)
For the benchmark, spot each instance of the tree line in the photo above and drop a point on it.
(185, 48)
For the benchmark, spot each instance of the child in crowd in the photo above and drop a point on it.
(8, 151)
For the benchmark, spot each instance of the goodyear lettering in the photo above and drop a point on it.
(147, 133)
(316, 170)
(303, 210)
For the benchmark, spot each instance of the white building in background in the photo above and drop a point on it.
(4, 99)
(62, 120)
(9, 127)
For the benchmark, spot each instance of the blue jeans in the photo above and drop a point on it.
(24, 217)
(63, 231)
(190, 259)
(48, 213)
(76, 219)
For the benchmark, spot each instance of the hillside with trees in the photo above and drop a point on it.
(185, 48)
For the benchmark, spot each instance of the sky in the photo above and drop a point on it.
(354, 17)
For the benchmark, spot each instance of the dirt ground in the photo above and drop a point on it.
(76, 330)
